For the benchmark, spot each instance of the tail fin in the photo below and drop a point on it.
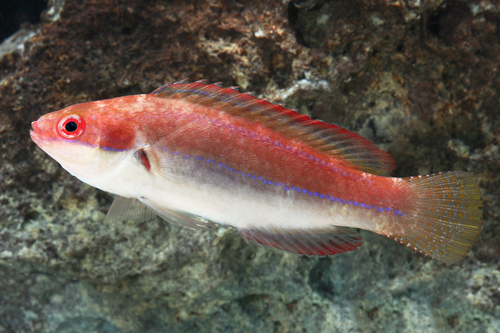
(448, 221)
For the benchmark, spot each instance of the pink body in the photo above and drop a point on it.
(201, 153)
(254, 149)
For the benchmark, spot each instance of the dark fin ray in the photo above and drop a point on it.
(448, 219)
(330, 139)
(311, 242)
(128, 209)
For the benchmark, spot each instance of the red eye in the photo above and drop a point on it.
(71, 127)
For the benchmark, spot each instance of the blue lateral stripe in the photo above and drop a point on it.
(299, 190)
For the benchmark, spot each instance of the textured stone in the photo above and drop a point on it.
(418, 78)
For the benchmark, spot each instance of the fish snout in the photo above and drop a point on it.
(36, 133)
(34, 125)
(39, 132)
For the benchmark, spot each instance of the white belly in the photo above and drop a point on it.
(229, 198)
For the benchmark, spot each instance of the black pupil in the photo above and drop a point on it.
(71, 126)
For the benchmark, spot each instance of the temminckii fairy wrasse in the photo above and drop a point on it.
(198, 154)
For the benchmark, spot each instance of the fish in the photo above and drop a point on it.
(201, 155)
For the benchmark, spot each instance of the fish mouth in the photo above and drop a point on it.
(35, 134)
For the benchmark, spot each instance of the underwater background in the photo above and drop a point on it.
(419, 78)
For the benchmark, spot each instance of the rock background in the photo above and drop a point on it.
(418, 78)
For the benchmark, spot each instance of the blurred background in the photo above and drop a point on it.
(418, 78)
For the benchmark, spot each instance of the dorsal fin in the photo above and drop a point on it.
(330, 139)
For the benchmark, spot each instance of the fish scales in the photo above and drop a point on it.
(197, 153)
(251, 153)
(256, 150)
(259, 152)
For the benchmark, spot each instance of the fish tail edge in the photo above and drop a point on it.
(447, 220)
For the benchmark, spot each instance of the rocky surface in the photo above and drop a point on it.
(418, 78)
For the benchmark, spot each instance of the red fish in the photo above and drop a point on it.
(199, 154)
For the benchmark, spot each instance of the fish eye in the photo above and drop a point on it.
(71, 127)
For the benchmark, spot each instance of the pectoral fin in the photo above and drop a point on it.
(141, 210)
(178, 217)
(131, 209)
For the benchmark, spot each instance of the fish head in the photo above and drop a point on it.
(89, 140)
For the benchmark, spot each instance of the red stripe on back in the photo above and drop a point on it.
(330, 139)
(253, 148)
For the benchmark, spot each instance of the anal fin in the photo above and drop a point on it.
(312, 242)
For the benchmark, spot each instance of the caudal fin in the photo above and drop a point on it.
(447, 221)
